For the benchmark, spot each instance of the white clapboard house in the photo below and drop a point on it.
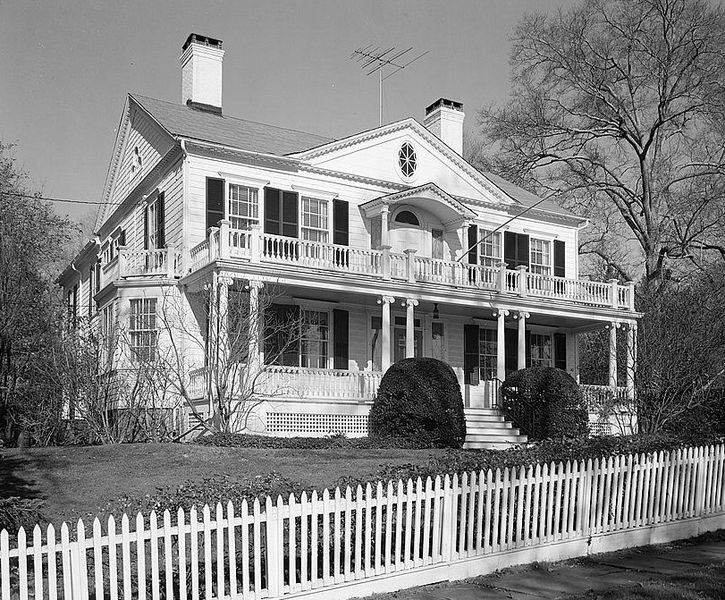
(371, 238)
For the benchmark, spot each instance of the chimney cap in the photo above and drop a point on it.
(204, 40)
(444, 102)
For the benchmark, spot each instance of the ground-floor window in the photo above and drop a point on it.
(314, 338)
(399, 333)
(541, 351)
(142, 329)
(487, 353)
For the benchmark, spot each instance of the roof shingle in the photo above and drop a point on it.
(191, 123)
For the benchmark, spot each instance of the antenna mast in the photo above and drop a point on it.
(374, 59)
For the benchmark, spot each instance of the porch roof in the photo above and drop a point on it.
(427, 196)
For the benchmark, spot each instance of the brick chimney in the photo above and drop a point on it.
(444, 119)
(201, 73)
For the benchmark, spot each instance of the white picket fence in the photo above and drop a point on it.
(355, 542)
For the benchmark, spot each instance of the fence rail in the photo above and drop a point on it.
(353, 541)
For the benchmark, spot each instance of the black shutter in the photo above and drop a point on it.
(511, 355)
(470, 353)
(340, 223)
(560, 351)
(214, 202)
(272, 211)
(528, 349)
(559, 259)
(473, 244)
(289, 215)
(146, 227)
(340, 336)
(122, 238)
(161, 221)
(515, 249)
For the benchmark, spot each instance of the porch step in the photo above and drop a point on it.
(488, 428)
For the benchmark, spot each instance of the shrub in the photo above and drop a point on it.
(18, 512)
(419, 399)
(245, 440)
(544, 402)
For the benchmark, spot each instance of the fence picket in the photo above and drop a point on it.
(405, 525)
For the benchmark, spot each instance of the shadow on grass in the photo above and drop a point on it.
(13, 481)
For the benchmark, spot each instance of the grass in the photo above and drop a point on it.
(76, 481)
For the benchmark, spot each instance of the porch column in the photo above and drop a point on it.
(501, 315)
(384, 227)
(410, 328)
(255, 358)
(521, 355)
(218, 333)
(631, 359)
(613, 355)
(386, 301)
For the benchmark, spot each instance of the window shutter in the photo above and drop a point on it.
(515, 249)
(214, 202)
(161, 221)
(289, 214)
(511, 357)
(272, 212)
(341, 335)
(559, 258)
(473, 244)
(146, 228)
(122, 238)
(560, 351)
(470, 353)
(340, 222)
(528, 348)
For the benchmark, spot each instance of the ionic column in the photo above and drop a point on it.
(613, 355)
(410, 304)
(521, 354)
(631, 359)
(501, 315)
(254, 358)
(384, 227)
(386, 301)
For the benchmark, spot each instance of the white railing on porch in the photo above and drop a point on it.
(304, 382)
(258, 247)
(597, 396)
(355, 542)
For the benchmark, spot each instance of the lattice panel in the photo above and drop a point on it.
(317, 423)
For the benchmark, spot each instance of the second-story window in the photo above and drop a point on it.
(489, 248)
(315, 222)
(243, 206)
(142, 329)
(541, 257)
(155, 224)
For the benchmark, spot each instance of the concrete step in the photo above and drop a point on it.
(485, 419)
(492, 435)
(484, 425)
(488, 445)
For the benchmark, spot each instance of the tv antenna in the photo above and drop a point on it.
(375, 59)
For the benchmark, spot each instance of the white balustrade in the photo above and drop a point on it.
(145, 262)
(199, 255)
(398, 266)
(597, 396)
(335, 384)
(240, 242)
(512, 281)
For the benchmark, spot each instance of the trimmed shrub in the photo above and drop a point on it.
(419, 399)
(544, 402)
(245, 440)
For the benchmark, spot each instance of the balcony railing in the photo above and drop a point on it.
(302, 382)
(258, 247)
(600, 396)
(166, 262)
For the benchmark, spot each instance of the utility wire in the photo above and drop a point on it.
(64, 200)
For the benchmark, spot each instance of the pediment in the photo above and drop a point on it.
(375, 154)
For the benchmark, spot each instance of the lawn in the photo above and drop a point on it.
(76, 481)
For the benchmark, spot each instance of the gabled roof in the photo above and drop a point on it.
(428, 191)
(192, 123)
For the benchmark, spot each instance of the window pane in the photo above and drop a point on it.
(243, 206)
(315, 221)
(489, 248)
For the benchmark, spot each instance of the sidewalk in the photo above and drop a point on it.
(599, 573)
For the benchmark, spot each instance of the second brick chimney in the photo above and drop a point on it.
(201, 72)
(444, 119)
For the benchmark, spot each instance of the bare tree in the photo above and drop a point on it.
(618, 106)
(216, 343)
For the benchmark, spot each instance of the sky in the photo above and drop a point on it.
(66, 67)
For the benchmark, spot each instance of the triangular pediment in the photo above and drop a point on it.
(140, 145)
(375, 154)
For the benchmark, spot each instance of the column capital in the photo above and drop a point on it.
(384, 209)
(386, 300)
(501, 311)
(410, 301)
(614, 325)
(630, 326)
(521, 315)
(256, 284)
(226, 280)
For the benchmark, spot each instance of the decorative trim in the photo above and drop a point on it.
(314, 192)
(373, 207)
(243, 179)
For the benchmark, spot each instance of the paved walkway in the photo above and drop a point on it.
(599, 573)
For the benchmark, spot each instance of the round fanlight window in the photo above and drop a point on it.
(407, 159)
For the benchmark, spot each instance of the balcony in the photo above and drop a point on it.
(165, 262)
(257, 247)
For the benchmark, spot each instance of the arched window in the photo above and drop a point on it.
(407, 217)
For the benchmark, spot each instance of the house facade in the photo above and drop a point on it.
(379, 246)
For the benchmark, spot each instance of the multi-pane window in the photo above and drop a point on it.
(487, 352)
(315, 220)
(540, 256)
(152, 219)
(540, 350)
(489, 248)
(108, 333)
(144, 335)
(314, 339)
(243, 206)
